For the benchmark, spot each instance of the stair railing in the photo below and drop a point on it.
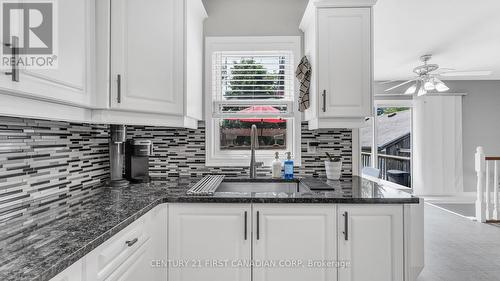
(487, 183)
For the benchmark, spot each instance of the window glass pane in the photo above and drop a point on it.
(253, 76)
(235, 133)
(394, 144)
(366, 135)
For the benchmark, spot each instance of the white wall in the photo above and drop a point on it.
(254, 17)
(481, 122)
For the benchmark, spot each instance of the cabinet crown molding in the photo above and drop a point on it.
(343, 3)
(314, 4)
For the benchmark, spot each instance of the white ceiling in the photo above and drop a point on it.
(461, 34)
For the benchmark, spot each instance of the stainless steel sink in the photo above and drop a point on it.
(217, 184)
(258, 187)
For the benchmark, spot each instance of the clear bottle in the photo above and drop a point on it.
(276, 166)
(288, 164)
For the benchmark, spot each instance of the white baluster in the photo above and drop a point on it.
(488, 191)
(480, 163)
(495, 191)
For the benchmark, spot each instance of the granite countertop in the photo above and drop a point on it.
(355, 190)
(40, 248)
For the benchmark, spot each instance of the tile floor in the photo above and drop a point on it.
(458, 249)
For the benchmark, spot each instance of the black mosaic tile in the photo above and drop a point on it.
(43, 162)
(181, 152)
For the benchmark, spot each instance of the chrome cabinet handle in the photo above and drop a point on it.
(245, 227)
(346, 226)
(130, 243)
(14, 73)
(324, 100)
(258, 226)
(119, 88)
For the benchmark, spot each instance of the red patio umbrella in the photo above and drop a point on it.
(259, 109)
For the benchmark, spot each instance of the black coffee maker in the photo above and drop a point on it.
(137, 154)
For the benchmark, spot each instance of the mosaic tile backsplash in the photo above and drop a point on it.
(44, 164)
(49, 164)
(181, 152)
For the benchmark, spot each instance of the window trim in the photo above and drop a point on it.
(215, 157)
(374, 153)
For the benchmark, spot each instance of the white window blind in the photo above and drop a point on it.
(243, 80)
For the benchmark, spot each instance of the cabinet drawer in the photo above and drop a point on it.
(105, 259)
(132, 268)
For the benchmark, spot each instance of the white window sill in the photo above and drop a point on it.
(244, 161)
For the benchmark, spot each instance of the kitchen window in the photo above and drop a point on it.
(250, 81)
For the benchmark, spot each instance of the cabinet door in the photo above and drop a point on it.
(294, 233)
(203, 233)
(344, 62)
(147, 56)
(154, 265)
(371, 240)
(70, 82)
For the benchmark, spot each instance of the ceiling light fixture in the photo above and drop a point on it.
(412, 90)
(427, 79)
(427, 84)
(422, 92)
(441, 86)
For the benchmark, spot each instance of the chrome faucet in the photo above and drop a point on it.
(254, 143)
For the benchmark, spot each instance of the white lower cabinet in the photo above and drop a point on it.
(131, 254)
(202, 234)
(291, 237)
(288, 242)
(253, 242)
(371, 240)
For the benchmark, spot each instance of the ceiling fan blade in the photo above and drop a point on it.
(445, 69)
(466, 73)
(388, 82)
(399, 85)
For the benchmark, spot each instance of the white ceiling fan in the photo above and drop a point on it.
(428, 78)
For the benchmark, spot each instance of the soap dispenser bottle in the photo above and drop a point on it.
(288, 164)
(276, 166)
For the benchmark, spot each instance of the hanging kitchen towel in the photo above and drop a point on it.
(303, 74)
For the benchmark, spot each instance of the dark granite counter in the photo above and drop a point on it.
(354, 190)
(40, 248)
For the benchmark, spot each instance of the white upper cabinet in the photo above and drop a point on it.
(338, 44)
(156, 57)
(73, 38)
(294, 232)
(344, 66)
(118, 61)
(371, 239)
(147, 56)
